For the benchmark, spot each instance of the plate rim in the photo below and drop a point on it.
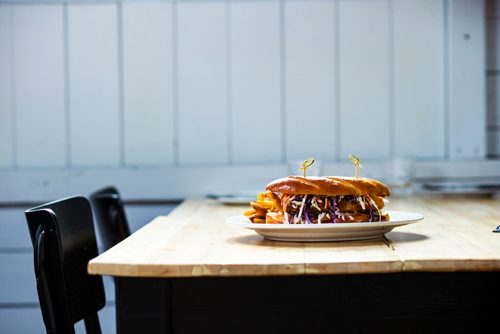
(418, 216)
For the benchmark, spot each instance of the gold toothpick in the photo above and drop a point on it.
(306, 164)
(355, 161)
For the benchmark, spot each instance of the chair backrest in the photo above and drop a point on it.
(110, 216)
(63, 237)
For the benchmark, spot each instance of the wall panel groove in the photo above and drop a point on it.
(7, 114)
(283, 118)
(121, 88)
(67, 85)
(175, 83)
(337, 71)
(446, 75)
(391, 74)
(229, 79)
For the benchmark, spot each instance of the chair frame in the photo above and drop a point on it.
(63, 238)
(110, 216)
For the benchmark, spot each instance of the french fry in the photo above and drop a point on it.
(261, 206)
(259, 220)
(267, 202)
(249, 213)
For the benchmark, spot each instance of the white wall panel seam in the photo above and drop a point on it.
(446, 78)
(337, 83)
(175, 81)
(13, 103)
(283, 79)
(5, 103)
(229, 89)
(7, 134)
(392, 78)
(67, 85)
(121, 84)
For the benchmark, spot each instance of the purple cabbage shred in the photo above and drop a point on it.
(307, 205)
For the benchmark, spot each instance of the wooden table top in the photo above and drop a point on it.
(193, 241)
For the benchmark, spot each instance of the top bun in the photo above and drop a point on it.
(328, 185)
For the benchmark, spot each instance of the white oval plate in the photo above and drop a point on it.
(327, 232)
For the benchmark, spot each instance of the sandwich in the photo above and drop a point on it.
(320, 200)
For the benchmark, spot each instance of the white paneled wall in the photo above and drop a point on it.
(418, 46)
(255, 82)
(467, 81)
(40, 126)
(310, 37)
(94, 113)
(309, 57)
(148, 79)
(189, 85)
(364, 78)
(202, 58)
(182, 83)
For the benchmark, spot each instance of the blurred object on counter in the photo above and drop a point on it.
(462, 186)
(236, 198)
(399, 176)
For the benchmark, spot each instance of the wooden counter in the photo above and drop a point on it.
(194, 241)
(189, 272)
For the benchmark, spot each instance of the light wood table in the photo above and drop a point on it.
(191, 265)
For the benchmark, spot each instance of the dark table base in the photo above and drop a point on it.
(388, 303)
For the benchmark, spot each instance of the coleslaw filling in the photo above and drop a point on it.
(318, 209)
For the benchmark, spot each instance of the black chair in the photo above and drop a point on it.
(110, 216)
(63, 237)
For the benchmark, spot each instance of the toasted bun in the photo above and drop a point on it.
(328, 185)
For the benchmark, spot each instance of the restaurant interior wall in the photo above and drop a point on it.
(152, 96)
(168, 99)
